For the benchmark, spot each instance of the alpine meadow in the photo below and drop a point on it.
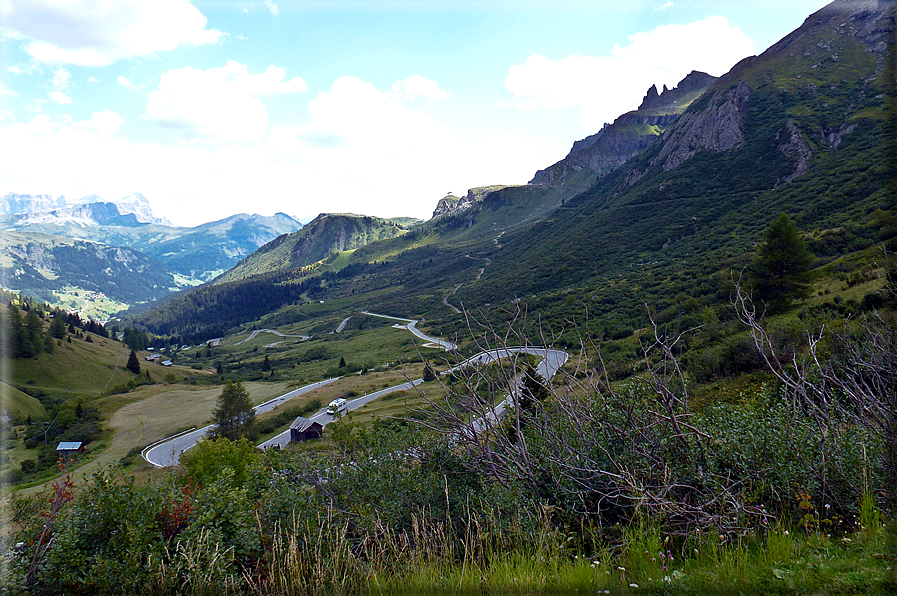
(666, 364)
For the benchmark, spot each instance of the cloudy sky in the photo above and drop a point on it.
(211, 108)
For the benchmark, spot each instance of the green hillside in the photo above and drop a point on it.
(19, 405)
(326, 234)
(666, 230)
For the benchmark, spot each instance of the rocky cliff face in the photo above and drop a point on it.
(628, 136)
(819, 63)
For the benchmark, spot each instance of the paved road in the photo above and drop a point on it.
(324, 418)
(410, 325)
(552, 361)
(342, 325)
(274, 331)
(168, 453)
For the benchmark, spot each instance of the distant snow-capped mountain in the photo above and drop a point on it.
(45, 209)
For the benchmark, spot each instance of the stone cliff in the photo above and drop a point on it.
(628, 136)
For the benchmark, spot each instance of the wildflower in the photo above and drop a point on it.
(633, 585)
(696, 552)
(621, 568)
(786, 533)
(607, 572)
(597, 563)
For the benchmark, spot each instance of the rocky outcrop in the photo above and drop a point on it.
(834, 137)
(628, 136)
(719, 127)
(795, 147)
(452, 204)
(695, 81)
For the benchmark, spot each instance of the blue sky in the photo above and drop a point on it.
(212, 108)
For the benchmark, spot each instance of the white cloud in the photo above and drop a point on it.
(92, 79)
(60, 97)
(272, 7)
(218, 104)
(126, 82)
(417, 86)
(99, 32)
(604, 87)
(669, 4)
(6, 91)
(101, 124)
(60, 82)
(362, 150)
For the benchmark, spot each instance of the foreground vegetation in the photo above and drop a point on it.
(588, 485)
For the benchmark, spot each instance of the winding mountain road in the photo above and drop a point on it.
(410, 325)
(168, 452)
(253, 335)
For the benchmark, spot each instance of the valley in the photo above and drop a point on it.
(665, 364)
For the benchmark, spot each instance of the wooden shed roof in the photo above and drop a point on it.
(303, 424)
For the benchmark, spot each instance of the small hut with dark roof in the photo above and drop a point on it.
(304, 429)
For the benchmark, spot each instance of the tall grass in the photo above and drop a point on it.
(329, 556)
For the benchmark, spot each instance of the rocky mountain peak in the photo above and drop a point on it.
(629, 135)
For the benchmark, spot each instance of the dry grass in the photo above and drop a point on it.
(158, 411)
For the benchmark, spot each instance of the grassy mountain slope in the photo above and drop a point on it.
(694, 204)
(665, 228)
(19, 405)
(326, 234)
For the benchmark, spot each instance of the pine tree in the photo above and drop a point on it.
(533, 391)
(234, 416)
(266, 365)
(133, 364)
(57, 327)
(342, 362)
(429, 374)
(781, 272)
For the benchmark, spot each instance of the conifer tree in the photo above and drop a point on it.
(133, 363)
(234, 416)
(781, 272)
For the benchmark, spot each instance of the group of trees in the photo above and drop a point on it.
(27, 333)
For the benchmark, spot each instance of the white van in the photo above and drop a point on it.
(337, 406)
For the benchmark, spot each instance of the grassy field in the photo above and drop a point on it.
(154, 412)
(20, 405)
(76, 369)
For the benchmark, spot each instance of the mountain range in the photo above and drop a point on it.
(40, 233)
(658, 208)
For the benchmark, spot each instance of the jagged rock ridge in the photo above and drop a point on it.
(628, 136)
(452, 204)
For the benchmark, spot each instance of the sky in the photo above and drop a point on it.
(211, 108)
